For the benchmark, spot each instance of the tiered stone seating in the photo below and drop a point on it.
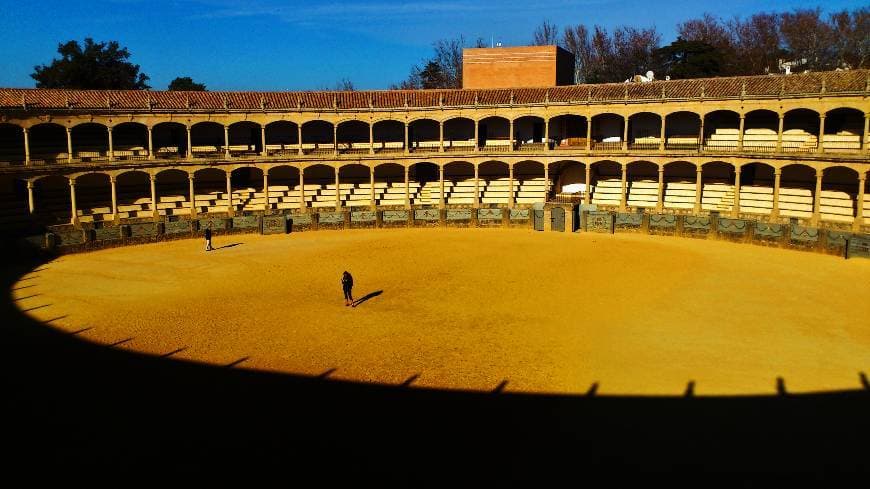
(842, 142)
(756, 199)
(835, 205)
(799, 141)
(760, 139)
(498, 191)
(724, 139)
(717, 197)
(680, 195)
(361, 195)
(326, 195)
(283, 197)
(607, 192)
(684, 140)
(795, 202)
(643, 193)
(462, 191)
(394, 194)
(532, 191)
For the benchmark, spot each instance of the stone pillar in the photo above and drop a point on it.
(69, 147)
(511, 136)
(407, 147)
(26, 132)
(547, 181)
(441, 189)
(476, 135)
(335, 139)
(190, 179)
(299, 139)
(701, 134)
(230, 208)
(150, 142)
(663, 136)
(510, 185)
(740, 135)
(660, 201)
(587, 196)
(337, 189)
(859, 212)
(154, 196)
(112, 182)
(821, 147)
(441, 136)
(189, 144)
(699, 189)
(817, 198)
(111, 154)
(779, 133)
(547, 134)
(31, 205)
(407, 187)
(371, 139)
(374, 204)
(624, 187)
(476, 186)
(625, 133)
(777, 175)
(72, 199)
(226, 141)
(266, 205)
(588, 134)
(263, 151)
(303, 206)
(865, 145)
(735, 209)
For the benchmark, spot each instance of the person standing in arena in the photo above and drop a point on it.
(208, 238)
(347, 286)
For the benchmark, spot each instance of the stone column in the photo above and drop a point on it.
(190, 179)
(154, 212)
(337, 189)
(441, 136)
(299, 138)
(407, 147)
(546, 135)
(303, 206)
(266, 205)
(374, 204)
(624, 187)
(740, 134)
(735, 209)
(441, 189)
(112, 182)
(26, 132)
(335, 139)
(72, 199)
(777, 175)
(476, 135)
(701, 134)
(821, 147)
(699, 189)
(111, 154)
(150, 142)
(69, 147)
(587, 196)
(371, 139)
(511, 135)
(407, 187)
(779, 133)
(510, 185)
(865, 145)
(263, 151)
(859, 212)
(546, 181)
(817, 198)
(625, 133)
(226, 141)
(476, 186)
(588, 134)
(230, 208)
(189, 145)
(660, 201)
(663, 136)
(31, 205)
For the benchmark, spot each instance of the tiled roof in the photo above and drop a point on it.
(126, 100)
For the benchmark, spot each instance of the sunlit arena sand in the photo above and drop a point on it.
(479, 309)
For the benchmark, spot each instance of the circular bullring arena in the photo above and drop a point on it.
(477, 309)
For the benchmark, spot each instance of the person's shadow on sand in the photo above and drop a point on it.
(366, 297)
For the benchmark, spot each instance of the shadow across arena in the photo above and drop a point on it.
(76, 409)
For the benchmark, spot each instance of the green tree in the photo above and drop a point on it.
(186, 83)
(688, 59)
(102, 65)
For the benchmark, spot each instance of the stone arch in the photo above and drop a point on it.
(644, 131)
(840, 190)
(459, 134)
(721, 130)
(353, 136)
(130, 140)
(317, 137)
(642, 183)
(530, 182)
(844, 128)
(90, 141)
(11, 144)
(319, 174)
(682, 130)
(717, 190)
(169, 139)
(424, 134)
(282, 138)
(246, 183)
(172, 186)
(756, 188)
(389, 174)
(52, 198)
(48, 143)
(606, 182)
(458, 170)
(797, 190)
(800, 131)
(245, 138)
(207, 139)
(529, 131)
(607, 131)
(569, 177)
(389, 136)
(93, 196)
(760, 130)
(568, 131)
(680, 191)
(494, 133)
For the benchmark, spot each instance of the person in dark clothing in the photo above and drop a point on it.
(347, 286)
(208, 239)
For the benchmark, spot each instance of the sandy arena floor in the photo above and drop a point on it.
(472, 308)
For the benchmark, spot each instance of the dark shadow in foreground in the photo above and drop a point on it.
(370, 295)
(84, 410)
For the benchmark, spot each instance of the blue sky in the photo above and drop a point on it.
(297, 45)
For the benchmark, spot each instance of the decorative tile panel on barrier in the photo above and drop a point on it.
(662, 221)
(301, 219)
(427, 215)
(69, 238)
(768, 230)
(628, 220)
(805, 235)
(275, 224)
(246, 222)
(599, 222)
(732, 226)
(520, 214)
(330, 218)
(837, 239)
(696, 224)
(458, 214)
(143, 230)
(489, 214)
(363, 216)
(217, 224)
(859, 246)
(176, 227)
(107, 234)
(395, 216)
